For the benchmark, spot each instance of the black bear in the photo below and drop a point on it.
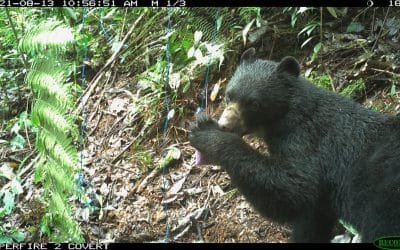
(329, 157)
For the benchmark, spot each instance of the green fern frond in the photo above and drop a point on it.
(54, 177)
(51, 118)
(50, 35)
(53, 98)
(59, 149)
(40, 173)
(47, 83)
(66, 228)
(61, 178)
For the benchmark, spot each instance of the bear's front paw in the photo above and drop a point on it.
(204, 133)
(204, 122)
(200, 138)
(206, 143)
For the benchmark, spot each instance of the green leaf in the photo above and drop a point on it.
(23, 116)
(197, 36)
(15, 129)
(303, 9)
(18, 141)
(246, 30)
(8, 201)
(18, 236)
(331, 11)
(71, 13)
(355, 27)
(4, 239)
(306, 41)
(393, 90)
(16, 187)
(186, 87)
(308, 28)
(219, 23)
(348, 227)
(316, 49)
(293, 20)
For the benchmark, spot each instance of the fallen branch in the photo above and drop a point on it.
(387, 72)
(98, 76)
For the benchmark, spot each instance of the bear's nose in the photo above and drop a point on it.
(223, 127)
(223, 124)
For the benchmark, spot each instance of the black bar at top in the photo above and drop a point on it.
(200, 3)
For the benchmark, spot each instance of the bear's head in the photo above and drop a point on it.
(258, 93)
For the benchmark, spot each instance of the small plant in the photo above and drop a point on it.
(10, 235)
(8, 198)
(249, 13)
(354, 88)
(311, 26)
(23, 123)
(322, 81)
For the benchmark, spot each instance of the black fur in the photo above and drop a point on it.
(329, 158)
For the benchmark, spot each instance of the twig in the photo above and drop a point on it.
(110, 131)
(273, 43)
(99, 74)
(196, 225)
(388, 72)
(125, 169)
(139, 188)
(380, 31)
(186, 222)
(22, 56)
(122, 152)
(96, 125)
(184, 231)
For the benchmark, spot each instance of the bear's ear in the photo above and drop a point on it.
(289, 65)
(248, 55)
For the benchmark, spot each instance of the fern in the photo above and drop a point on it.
(57, 149)
(46, 81)
(49, 35)
(53, 98)
(51, 117)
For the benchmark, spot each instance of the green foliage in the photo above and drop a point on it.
(297, 12)
(354, 88)
(393, 89)
(47, 78)
(58, 223)
(392, 24)
(58, 161)
(49, 35)
(7, 203)
(355, 27)
(322, 81)
(348, 227)
(10, 235)
(143, 156)
(23, 122)
(311, 24)
(249, 13)
(8, 195)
